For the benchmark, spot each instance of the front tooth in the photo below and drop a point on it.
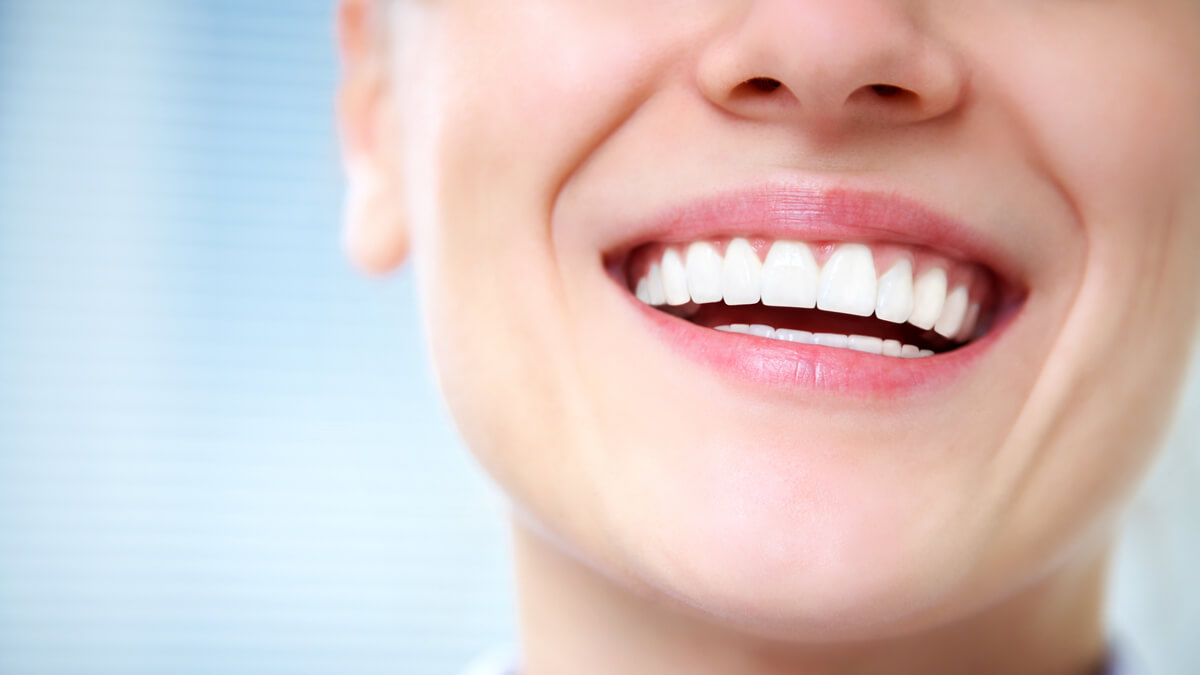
(892, 347)
(675, 283)
(953, 313)
(704, 272)
(929, 294)
(789, 335)
(831, 340)
(658, 295)
(866, 343)
(790, 276)
(910, 351)
(848, 281)
(895, 300)
(741, 274)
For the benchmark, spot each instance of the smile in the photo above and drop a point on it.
(852, 291)
(889, 300)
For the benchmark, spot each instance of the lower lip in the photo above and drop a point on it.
(795, 367)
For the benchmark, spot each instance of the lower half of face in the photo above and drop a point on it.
(824, 363)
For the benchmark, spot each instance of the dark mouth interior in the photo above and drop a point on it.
(715, 314)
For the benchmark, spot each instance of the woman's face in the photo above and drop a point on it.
(1039, 159)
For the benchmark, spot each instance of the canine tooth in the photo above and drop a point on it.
(789, 335)
(741, 274)
(761, 330)
(969, 322)
(929, 294)
(866, 343)
(674, 276)
(910, 351)
(727, 329)
(674, 279)
(953, 313)
(643, 290)
(848, 281)
(925, 352)
(658, 295)
(704, 272)
(831, 340)
(891, 347)
(790, 275)
(895, 299)
(743, 328)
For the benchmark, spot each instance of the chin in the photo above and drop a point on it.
(824, 553)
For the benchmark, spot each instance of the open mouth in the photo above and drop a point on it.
(892, 300)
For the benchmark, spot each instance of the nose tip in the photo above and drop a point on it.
(839, 63)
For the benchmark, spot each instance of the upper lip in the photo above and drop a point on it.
(805, 213)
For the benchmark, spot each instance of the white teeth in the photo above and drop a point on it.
(831, 340)
(969, 322)
(741, 274)
(643, 290)
(675, 283)
(848, 281)
(866, 343)
(790, 276)
(862, 343)
(704, 272)
(892, 347)
(788, 335)
(929, 294)
(953, 313)
(658, 295)
(895, 299)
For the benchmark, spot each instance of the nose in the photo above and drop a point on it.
(831, 64)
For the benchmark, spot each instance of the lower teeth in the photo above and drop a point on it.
(860, 343)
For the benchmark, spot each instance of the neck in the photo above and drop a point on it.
(575, 620)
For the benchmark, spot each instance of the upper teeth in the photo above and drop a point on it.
(791, 276)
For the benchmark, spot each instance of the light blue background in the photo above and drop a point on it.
(220, 449)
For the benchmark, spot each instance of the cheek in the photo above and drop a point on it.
(500, 127)
(503, 130)
(537, 87)
(1120, 128)
(1108, 98)
(1112, 106)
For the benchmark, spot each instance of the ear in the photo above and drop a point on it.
(374, 232)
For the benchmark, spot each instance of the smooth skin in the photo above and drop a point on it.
(670, 519)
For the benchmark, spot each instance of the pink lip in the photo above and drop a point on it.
(837, 215)
(792, 366)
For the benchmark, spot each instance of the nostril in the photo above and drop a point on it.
(757, 91)
(763, 84)
(889, 92)
(885, 97)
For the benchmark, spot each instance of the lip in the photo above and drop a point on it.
(791, 366)
(837, 214)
